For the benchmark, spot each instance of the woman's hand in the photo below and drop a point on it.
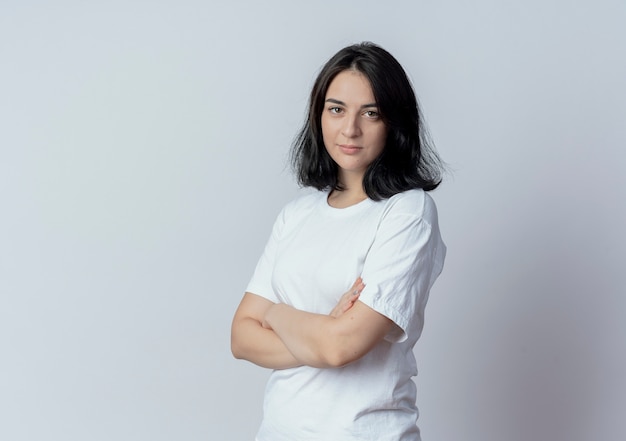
(350, 331)
(347, 300)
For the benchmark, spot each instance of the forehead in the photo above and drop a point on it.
(351, 86)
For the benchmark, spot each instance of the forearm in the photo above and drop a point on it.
(250, 341)
(314, 339)
(279, 336)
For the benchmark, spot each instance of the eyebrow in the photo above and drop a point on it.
(341, 103)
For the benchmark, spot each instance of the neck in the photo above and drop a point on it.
(352, 192)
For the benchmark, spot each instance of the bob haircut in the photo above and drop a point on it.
(407, 161)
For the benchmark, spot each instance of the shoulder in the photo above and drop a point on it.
(413, 203)
(302, 205)
(306, 201)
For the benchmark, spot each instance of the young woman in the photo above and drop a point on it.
(336, 303)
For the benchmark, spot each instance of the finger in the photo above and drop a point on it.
(356, 283)
(351, 296)
(350, 303)
(354, 291)
(359, 288)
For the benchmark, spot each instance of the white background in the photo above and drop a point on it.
(143, 159)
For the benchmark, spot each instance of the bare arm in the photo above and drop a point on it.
(250, 341)
(325, 341)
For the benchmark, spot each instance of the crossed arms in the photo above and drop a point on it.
(278, 336)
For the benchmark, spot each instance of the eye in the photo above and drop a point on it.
(372, 114)
(335, 109)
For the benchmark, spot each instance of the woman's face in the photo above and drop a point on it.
(353, 131)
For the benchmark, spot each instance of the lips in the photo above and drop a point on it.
(349, 149)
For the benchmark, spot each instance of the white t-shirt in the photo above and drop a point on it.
(313, 256)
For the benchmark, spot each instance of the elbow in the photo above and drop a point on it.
(235, 350)
(239, 351)
(236, 347)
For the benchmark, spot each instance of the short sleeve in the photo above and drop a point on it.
(402, 264)
(261, 282)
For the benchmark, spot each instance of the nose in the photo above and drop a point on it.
(351, 128)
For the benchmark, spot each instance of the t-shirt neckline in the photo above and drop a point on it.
(355, 208)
